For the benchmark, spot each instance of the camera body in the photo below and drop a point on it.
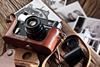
(30, 31)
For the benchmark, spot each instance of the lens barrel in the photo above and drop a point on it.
(34, 28)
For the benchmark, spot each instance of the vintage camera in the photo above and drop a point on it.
(31, 31)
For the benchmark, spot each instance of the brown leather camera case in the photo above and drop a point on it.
(45, 46)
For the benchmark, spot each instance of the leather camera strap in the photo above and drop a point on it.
(83, 44)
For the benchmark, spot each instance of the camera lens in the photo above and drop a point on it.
(34, 28)
(32, 23)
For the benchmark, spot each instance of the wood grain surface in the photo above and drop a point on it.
(6, 8)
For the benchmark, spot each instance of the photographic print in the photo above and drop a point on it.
(38, 8)
(89, 30)
(70, 12)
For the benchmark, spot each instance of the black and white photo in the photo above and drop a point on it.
(89, 30)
